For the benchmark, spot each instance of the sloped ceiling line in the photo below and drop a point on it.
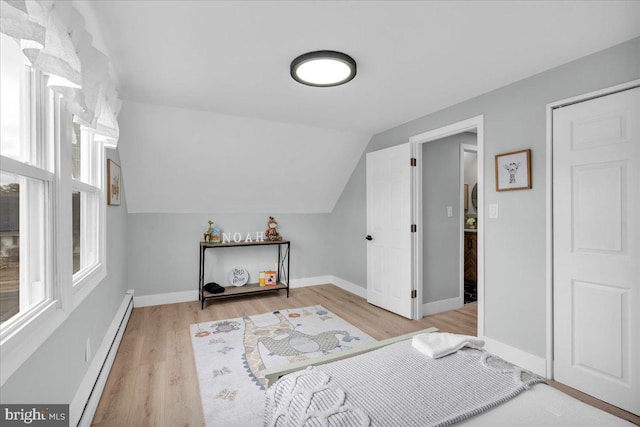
(186, 161)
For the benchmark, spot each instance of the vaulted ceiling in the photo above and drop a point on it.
(232, 58)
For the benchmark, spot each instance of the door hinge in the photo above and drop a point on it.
(414, 228)
(414, 294)
(414, 162)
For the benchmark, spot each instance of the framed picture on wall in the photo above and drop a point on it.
(513, 170)
(113, 179)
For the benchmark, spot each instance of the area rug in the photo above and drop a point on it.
(231, 355)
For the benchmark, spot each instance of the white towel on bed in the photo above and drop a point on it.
(440, 344)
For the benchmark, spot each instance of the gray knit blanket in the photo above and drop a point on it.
(395, 386)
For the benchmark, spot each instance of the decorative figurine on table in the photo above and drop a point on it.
(207, 234)
(272, 233)
(213, 233)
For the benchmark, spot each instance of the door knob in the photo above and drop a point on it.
(369, 237)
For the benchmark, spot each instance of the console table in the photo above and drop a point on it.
(282, 278)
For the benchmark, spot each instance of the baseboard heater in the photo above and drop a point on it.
(84, 405)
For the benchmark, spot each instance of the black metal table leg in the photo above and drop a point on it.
(200, 275)
(288, 266)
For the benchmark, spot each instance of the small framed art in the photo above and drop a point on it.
(114, 181)
(513, 170)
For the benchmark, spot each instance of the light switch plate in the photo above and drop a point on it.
(449, 211)
(493, 211)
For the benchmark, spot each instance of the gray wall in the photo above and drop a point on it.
(515, 118)
(348, 223)
(470, 176)
(441, 234)
(164, 248)
(54, 372)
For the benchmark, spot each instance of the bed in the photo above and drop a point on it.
(392, 384)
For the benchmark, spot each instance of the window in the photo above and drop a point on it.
(85, 198)
(13, 82)
(51, 205)
(9, 246)
(26, 185)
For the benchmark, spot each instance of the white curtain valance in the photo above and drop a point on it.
(23, 23)
(53, 38)
(107, 129)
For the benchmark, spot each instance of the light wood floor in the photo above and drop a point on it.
(153, 381)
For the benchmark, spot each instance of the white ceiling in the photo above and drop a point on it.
(232, 57)
(213, 122)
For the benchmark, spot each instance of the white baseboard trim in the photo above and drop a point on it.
(168, 298)
(349, 287)
(310, 281)
(83, 406)
(186, 296)
(323, 280)
(533, 363)
(442, 305)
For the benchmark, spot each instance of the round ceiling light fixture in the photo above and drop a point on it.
(323, 68)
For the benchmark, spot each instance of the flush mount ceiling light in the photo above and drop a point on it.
(323, 68)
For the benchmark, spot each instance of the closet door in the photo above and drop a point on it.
(596, 226)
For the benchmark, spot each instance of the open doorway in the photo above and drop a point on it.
(435, 250)
(469, 224)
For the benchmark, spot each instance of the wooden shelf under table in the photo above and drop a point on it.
(248, 289)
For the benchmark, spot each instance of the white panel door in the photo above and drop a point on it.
(596, 244)
(389, 237)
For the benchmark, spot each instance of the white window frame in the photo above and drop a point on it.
(20, 336)
(92, 157)
(64, 291)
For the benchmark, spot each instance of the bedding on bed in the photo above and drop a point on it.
(395, 386)
(440, 344)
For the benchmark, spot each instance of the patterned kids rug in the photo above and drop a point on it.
(232, 354)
